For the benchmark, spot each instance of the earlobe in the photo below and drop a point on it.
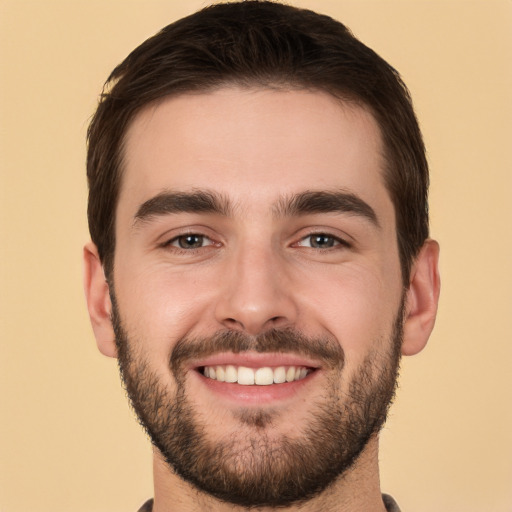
(98, 301)
(422, 299)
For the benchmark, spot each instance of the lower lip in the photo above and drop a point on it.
(256, 395)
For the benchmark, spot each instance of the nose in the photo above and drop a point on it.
(256, 293)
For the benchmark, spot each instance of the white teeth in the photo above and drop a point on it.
(231, 374)
(220, 374)
(290, 374)
(279, 375)
(245, 376)
(263, 376)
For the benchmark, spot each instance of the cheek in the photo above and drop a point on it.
(357, 305)
(160, 306)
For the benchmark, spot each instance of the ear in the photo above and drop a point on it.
(98, 301)
(422, 299)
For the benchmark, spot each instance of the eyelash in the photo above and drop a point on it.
(336, 241)
(174, 242)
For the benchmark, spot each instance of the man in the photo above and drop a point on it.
(260, 256)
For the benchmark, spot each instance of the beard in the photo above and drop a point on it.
(257, 466)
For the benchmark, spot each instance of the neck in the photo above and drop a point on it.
(357, 490)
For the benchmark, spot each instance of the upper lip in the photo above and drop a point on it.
(256, 360)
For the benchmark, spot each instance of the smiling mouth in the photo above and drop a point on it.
(263, 376)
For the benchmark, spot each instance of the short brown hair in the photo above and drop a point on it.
(267, 44)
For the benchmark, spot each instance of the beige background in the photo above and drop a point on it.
(68, 441)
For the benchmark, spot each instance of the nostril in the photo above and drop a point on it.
(233, 323)
(277, 321)
(254, 322)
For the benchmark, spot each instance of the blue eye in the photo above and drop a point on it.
(321, 241)
(191, 241)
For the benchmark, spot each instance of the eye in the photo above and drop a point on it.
(190, 241)
(321, 241)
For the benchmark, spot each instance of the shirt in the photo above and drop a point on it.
(389, 503)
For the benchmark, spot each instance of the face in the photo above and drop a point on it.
(257, 288)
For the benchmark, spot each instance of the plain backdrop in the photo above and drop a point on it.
(68, 440)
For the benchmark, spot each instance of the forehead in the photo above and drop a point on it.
(252, 145)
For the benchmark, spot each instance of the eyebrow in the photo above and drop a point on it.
(304, 203)
(310, 202)
(199, 201)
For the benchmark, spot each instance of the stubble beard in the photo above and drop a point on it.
(257, 467)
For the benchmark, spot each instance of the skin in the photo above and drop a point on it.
(257, 269)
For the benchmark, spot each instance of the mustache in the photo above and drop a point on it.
(326, 348)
